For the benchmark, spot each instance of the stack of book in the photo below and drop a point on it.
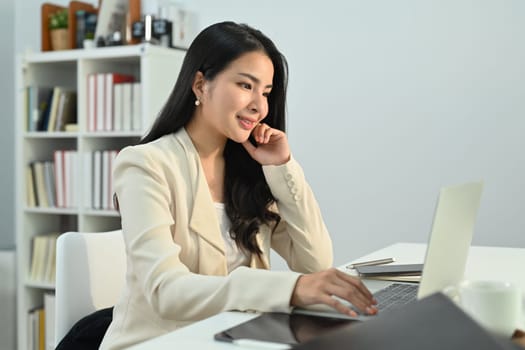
(66, 168)
(50, 183)
(50, 108)
(99, 190)
(40, 183)
(113, 102)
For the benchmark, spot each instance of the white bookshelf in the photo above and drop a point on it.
(155, 67)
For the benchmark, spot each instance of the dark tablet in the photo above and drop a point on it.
(282, 328)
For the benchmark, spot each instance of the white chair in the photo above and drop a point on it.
(90, 274)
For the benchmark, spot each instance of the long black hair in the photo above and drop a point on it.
(247, 195)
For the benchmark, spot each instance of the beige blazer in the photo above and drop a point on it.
(176, 259)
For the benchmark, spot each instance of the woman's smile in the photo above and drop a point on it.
(247, 124)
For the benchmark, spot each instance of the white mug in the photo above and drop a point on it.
(495, 305)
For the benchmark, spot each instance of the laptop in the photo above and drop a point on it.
(447, 250)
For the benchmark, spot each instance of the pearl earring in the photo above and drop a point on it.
(197, 102)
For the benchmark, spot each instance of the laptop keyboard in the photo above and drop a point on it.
(395, 295)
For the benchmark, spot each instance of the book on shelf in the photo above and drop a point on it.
(38, 99)
(108, 157)
(67, 110)
(118, 114)
(127, 96)
(52, 116)
(105, 174)
(136, 112)
(36, 328)
(40, 184)
(49, 177)
(30, 187)
(87, 160)
(70, 178)
(58, 157)
(91, 102)
(50, 263)
(43, 263)
(49, 309)
(66, 181)
(49, 116)
(36, 257)
(100, 101)
(112, 156)
(97, 180)
(71, 127)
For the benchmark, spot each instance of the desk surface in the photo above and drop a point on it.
(483, 263)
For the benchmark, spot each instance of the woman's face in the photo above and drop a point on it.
(237, 98)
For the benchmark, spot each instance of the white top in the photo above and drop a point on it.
(235, 257)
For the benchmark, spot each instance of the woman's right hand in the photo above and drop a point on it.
(320, 287)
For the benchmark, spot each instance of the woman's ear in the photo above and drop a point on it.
(198, 85)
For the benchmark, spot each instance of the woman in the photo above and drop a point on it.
(210, 189)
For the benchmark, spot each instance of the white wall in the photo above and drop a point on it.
(390, 100)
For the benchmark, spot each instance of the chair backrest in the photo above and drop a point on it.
(90, 274)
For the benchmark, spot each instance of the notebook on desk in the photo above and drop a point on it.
(447, 250)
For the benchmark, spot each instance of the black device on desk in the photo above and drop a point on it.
(432, 323)
(282, 328)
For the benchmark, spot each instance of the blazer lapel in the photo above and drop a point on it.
(203, 216)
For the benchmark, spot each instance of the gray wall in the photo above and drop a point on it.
(7, 150)
(389, 101)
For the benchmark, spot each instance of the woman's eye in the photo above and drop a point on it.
(266, 94)
(246, 86)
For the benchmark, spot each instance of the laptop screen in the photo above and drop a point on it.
(450, 237)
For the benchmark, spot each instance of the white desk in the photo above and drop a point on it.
(495, 263)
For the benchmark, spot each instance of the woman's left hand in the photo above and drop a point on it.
(272, 145)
